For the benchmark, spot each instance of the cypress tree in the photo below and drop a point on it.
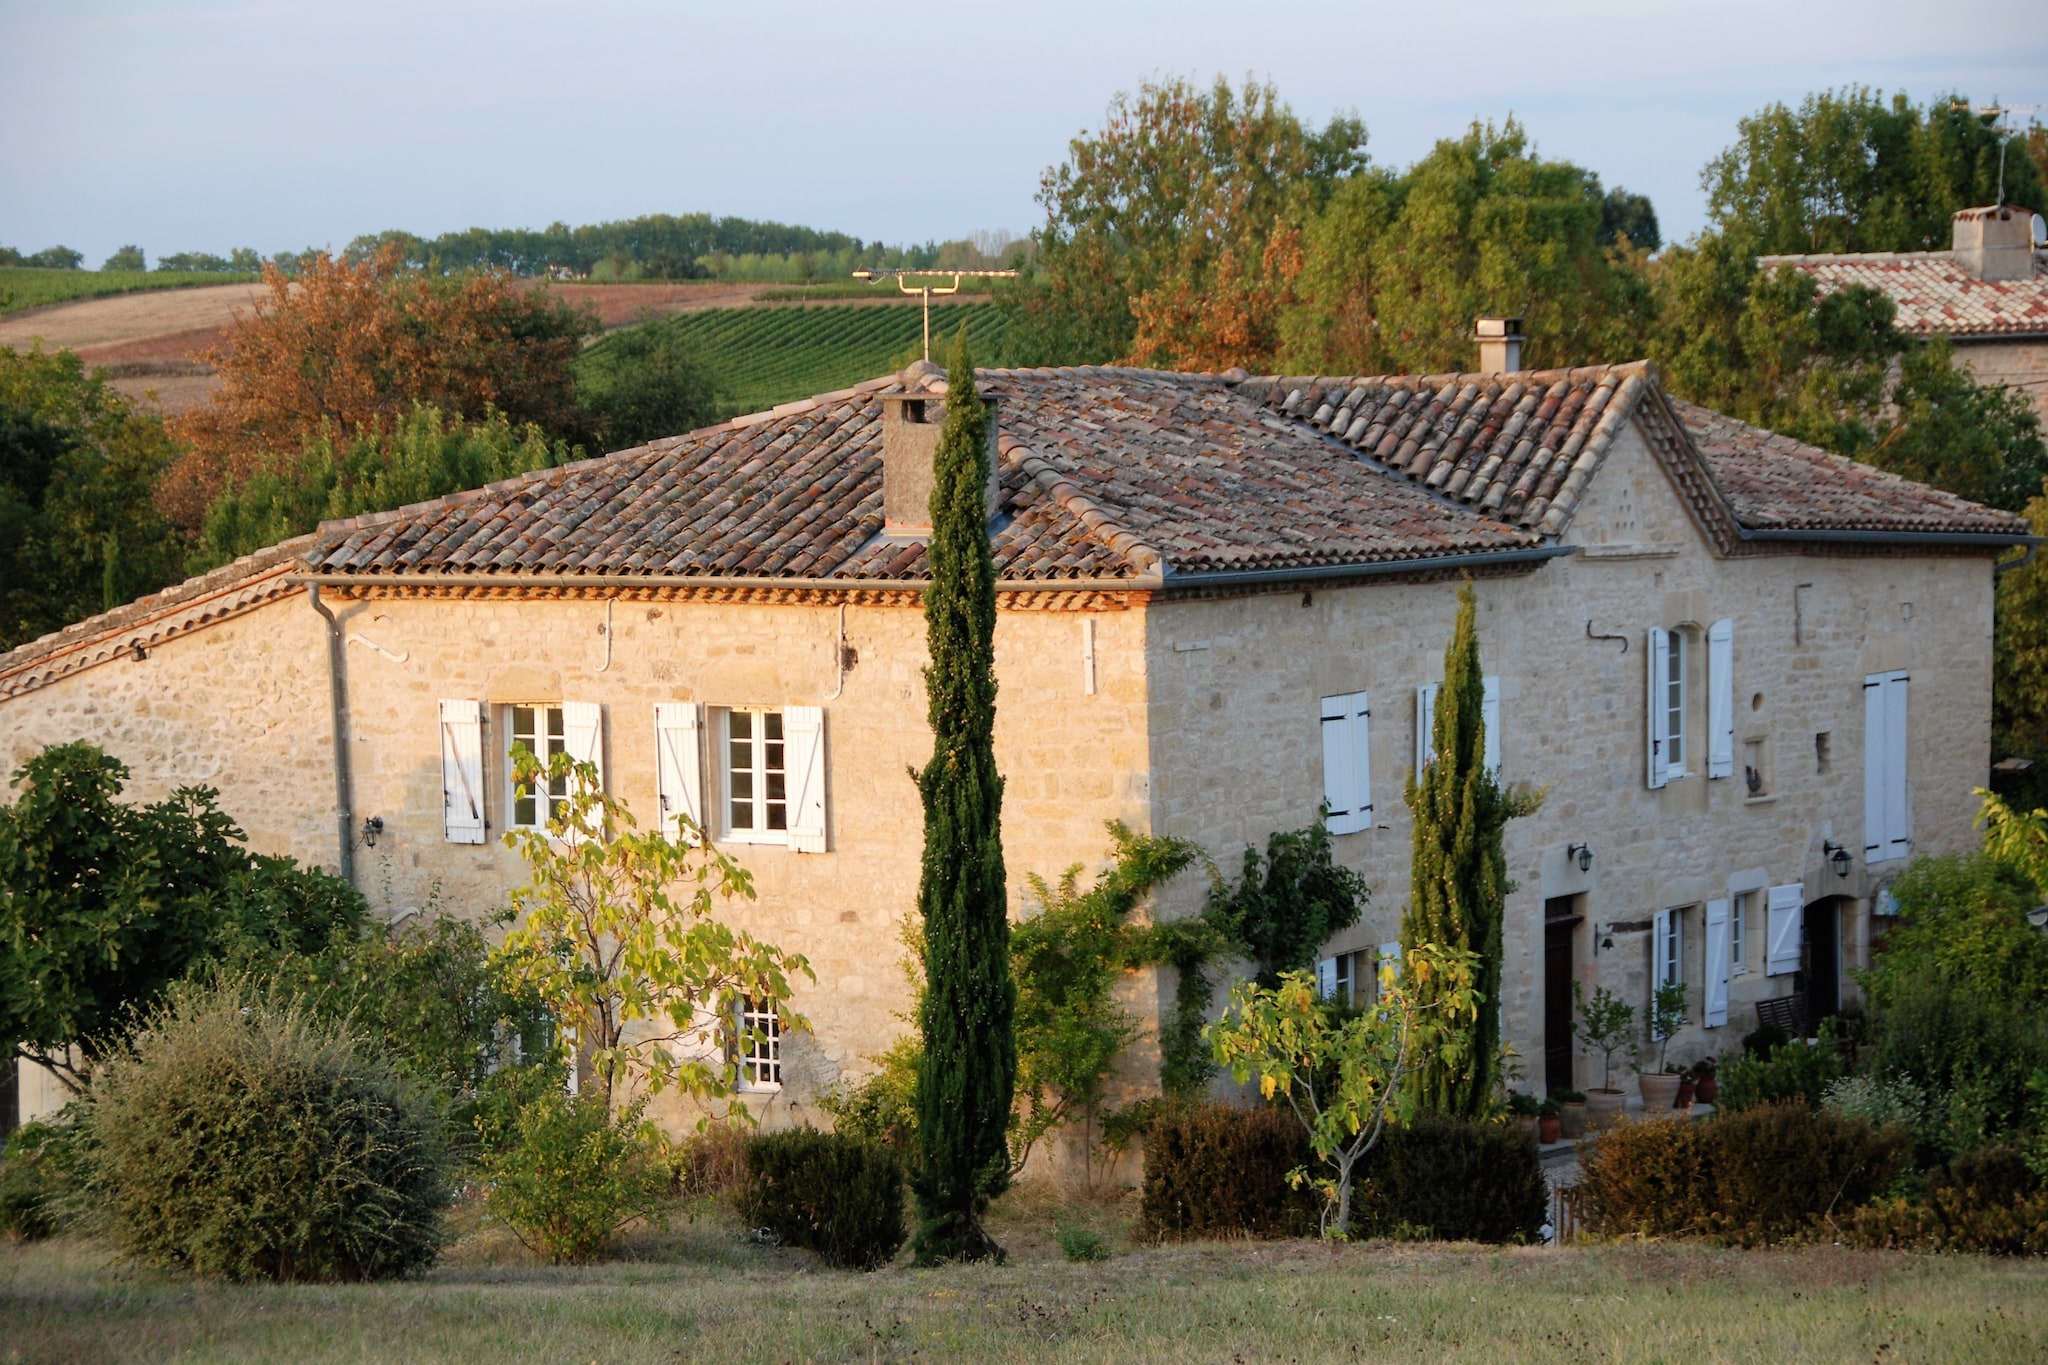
(969, 1067)
(1460, 881)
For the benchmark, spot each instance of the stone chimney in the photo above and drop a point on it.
(1995, 243)
(911, 423)
(1500, 345)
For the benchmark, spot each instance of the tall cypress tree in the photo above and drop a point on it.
(1459, 869)
(969, 1068)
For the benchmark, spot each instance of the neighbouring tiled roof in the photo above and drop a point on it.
(1105, 473)
(1517, 446)
(1775, 483)
(1934, 295)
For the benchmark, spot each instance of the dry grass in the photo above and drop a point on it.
(700, 1290)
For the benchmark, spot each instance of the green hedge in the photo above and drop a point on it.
(1453, 1180)
(1220, 1170)
(836, 1195)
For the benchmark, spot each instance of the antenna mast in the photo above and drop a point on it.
(2003, 114)
(927, 290)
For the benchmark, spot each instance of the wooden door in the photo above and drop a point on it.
(1558, 931)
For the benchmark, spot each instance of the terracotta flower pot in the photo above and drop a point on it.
(1549, 1128)
(1603, 1107)
(1574, 1118)
(1686, 1088)
(1660, 1091)
(1708, 1090)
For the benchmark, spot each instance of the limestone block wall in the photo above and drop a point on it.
(2021, 364)
(1236, 747)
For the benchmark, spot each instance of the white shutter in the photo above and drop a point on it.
(679, 764)
(1887, 829)
(803, 734)
(1425, 726)
(1716, 1012)
(583, 735)
(1326, 978)
(1347, 762)
(462, 771)
(1658, 656)
(1721, 699)
(1785, 910)
(1489, 710)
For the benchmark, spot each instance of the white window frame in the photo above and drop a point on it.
(1738, 932)
(551, 723)
(758, 830)
(1674, 696)
(1667, 967)
(757, 1046)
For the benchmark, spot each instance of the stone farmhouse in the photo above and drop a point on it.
(1988, 294)
(1753, 677)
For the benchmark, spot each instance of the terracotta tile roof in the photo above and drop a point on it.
(1518, 446)
(1105, 473)
(1775, 483)
(1935, 296)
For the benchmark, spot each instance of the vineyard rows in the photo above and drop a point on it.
(760, 357)
(26, 287)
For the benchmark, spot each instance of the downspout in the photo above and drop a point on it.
(337, 678)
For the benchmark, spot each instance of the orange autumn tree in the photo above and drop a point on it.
(349, 348)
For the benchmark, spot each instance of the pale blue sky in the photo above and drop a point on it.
(202, 127)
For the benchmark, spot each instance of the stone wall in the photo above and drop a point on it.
(1236, 748)
(2019, 364)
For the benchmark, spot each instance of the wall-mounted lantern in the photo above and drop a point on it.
(373, 827)
(1836, 855)
(1582, 854)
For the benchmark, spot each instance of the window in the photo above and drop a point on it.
(1738, 933)
(544, 731)
(1674, 705)
(1347, 762)
(1887, 830)
(756, 776)
(1668, 965)
(1676, 743)
(759, 1045)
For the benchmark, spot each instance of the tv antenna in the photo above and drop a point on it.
(2003, 114)
(901, 276)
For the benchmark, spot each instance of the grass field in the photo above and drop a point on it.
(701, 1291)
(769, 355)
(21, 287)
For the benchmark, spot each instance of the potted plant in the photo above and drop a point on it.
(1667, 1016)
(1524, 1110)
(1706, 1074)
(1607, 1024)
(1549, 1122)
(1571, 1106)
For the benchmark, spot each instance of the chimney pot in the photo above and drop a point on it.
(1995, 243)
(1500, 345)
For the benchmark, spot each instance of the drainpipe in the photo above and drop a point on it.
(337, 677)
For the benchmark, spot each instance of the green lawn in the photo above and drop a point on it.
(22, 287)
(701, 1291)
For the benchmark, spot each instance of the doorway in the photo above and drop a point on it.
(1560, 928)
(1823, 959)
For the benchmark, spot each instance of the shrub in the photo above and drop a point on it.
(1220, 1170)
(1456, 1180)
(38, 1178)
(1989, 1200)
(568, 1176)
(235, 1137)
(883, 1107)
(827, 1192)
(712, 1161)
(1877, 1100)
(1645, 1179)
(1790, 1071)
(1078, 1243)
(1780, 1170)
(1977, 1059)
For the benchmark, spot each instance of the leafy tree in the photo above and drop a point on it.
(1067, 960)
(1345, 1073)
(1460, 871)
(50, 258)
(351, 348)
(968, 1072)
(650, 980)
(245, 258)
(1170, 234)
(1850, 171)
(1963, 922)
(197, 262)
(127, 258)
(1981, 441)
(104, 905)
(1397, 267)
(425, 454)
(1282, 912)
(643, 383)
(79, 531)
(1630, 216)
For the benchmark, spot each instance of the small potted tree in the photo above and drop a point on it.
(1667, 1016)
(1606, 1024)
(1706, 1078)
(1549, 1123)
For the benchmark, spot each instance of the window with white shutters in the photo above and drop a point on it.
(1715, 1011)
(1721, 699)
(754, 766)
(1887, 831)
(803, 730)
(1668, 948)
(1784, 928)
(462, 772)
(1425, 723)
(1738, 932)
(541, 731)
(1657, 719)
(1347, 762)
